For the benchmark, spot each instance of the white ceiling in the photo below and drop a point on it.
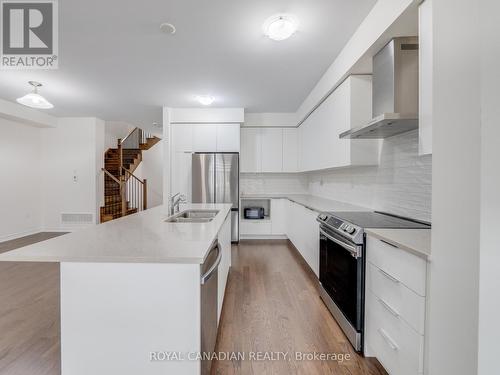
(115, 64)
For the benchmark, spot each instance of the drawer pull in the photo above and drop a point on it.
(388, 307)
(392, 278)
(387, 339)
(388, 243)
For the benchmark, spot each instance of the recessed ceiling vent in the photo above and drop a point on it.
(77, 218)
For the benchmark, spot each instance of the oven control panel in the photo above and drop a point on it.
(340, 226)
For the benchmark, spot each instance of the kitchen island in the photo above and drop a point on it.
(131, 292)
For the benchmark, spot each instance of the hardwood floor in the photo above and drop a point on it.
(29, 314)
(272, 305)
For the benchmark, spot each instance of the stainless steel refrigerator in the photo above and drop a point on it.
(216, 179)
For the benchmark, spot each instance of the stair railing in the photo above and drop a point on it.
(112, 207)
(133, 193)
(136, 191)
(144, 137)
(130, 142)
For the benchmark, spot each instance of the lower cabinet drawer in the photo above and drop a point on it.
(396, 297)
(396, 345)
(256, 227)
(400, 264)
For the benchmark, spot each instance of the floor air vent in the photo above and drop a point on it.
(77, 218)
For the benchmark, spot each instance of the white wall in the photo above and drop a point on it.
(401, 184)
(453, 298)
(151, 168)
(71, 150)
(20, 173)
(115, 130)
(269, 183)
(489, 282)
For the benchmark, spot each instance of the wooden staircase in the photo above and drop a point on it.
(124, 193)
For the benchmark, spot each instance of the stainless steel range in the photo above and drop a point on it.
(342, 264)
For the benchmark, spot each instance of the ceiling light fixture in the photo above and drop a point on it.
(34, 99)
(205, 99)
(280, 26)
(167, 28)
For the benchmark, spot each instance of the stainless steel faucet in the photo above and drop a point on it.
(175, 200)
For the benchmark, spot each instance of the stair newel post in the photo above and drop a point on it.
(123, 192)
(120, 151)
(145, 194)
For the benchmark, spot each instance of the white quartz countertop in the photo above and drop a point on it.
(144, 237)
(310, 201)
(416, 241)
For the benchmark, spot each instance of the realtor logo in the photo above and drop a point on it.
(29, 34)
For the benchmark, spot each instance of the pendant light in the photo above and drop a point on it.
(34, 99)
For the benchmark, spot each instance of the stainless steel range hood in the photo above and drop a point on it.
(394, 92)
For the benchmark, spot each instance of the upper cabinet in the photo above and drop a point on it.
(348, 106)
(228, 137)
(290, 149)
(206, 137)
(315, 144)
(269, 150)
(251, 150)
(272, 149)
(425, 77)
(182, 137)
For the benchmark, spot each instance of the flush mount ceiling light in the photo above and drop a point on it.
(167, 28)
(280, 26)
(205, 99)
(34, 99)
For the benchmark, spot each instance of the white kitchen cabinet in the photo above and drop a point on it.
(303, 231)
(347, 107)
(425, 77)
(290, 149)
(269, 150)
(272, 149)
(251, 150)
(224, 238)
(249, 228)
(182, 137)
(310, 233)
(278, 216)
(228, 138)
(395, 307)
(204, 137)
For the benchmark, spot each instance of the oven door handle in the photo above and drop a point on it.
(354, 250)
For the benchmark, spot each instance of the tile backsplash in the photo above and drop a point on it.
(400, 184)
(273, 183)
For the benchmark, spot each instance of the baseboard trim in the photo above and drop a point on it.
(263, 237)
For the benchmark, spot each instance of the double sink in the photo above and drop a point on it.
(193, 216)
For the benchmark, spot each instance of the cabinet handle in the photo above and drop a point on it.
(388, 243)
(388, 307)
(392, 278)
(388, 339)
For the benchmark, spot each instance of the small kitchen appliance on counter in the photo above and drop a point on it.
(254, 213)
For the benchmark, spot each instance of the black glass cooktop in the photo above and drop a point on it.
(379, 220)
